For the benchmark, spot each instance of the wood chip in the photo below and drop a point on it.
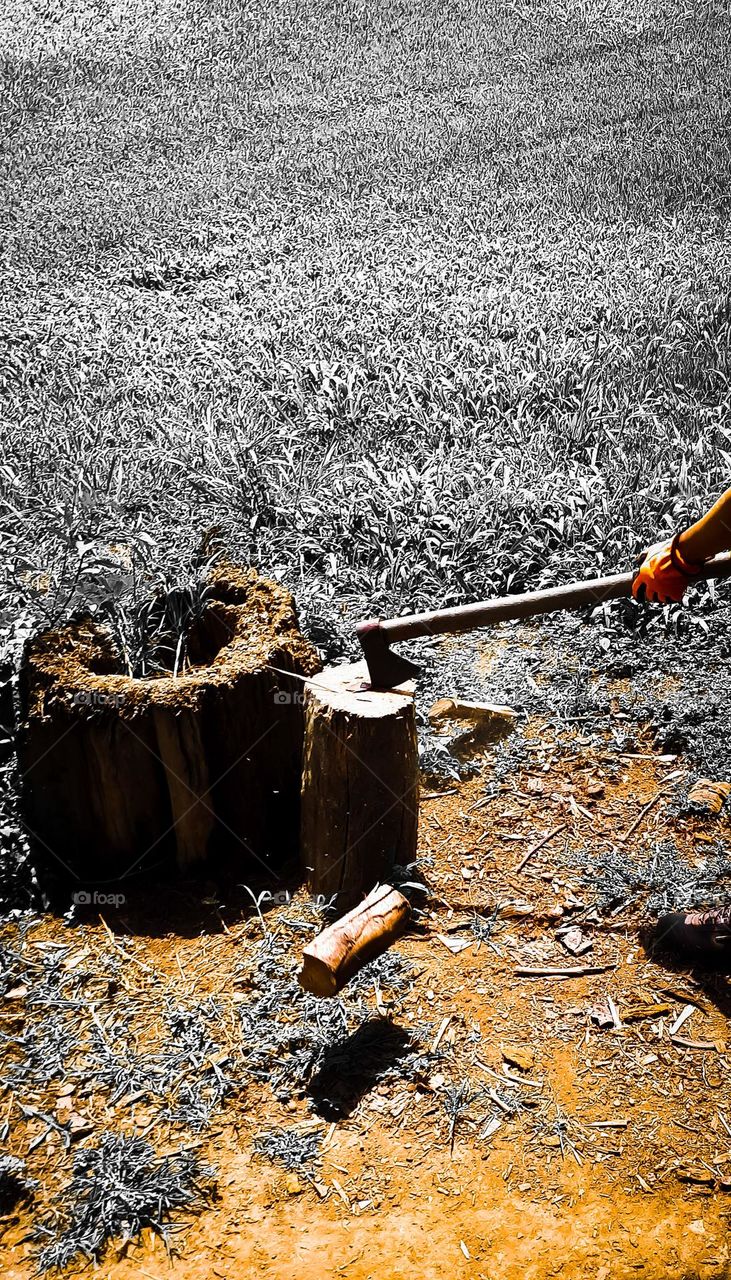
(576, 942)
(701, 1177)
(341, 1192)
(508, 1078)
(680, 1020)
(532, 1084)
(578, 810)
(635, 1012)
(615, 1015)
(518, 1056)
(465, 1250)
(717, 1046)
(686, 997)
(539, 845)
(455, 945)
(477, 713)
(642, 814)
(516, 910)
(601, 1014)
(492, 1093)
(709, 795)
(493, 1124)
(443, 1027)
(328, 1136)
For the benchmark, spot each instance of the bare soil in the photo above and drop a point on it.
(591, 1136)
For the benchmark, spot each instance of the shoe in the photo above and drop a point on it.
(698, 933)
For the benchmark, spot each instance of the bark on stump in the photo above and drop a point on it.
(360, 783)
(121, 774)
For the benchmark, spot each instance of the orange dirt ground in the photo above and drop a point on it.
(620, 1163)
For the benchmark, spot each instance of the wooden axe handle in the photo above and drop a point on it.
(344, 947)
(528, 605)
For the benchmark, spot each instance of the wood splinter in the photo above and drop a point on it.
(336, 955)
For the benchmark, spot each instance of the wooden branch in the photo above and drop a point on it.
(361, 935)
(539, 845)
(549, 971)
(639, 817)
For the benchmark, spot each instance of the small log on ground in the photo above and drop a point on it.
(360, 783)
(122, 773)
(344, 947)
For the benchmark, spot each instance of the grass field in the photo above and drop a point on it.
(415, 302)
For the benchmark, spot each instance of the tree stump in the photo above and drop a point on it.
(121, 774)
(360, 783)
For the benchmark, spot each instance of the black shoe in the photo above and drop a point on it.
(696, 933)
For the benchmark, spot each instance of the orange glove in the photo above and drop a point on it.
(663, 574)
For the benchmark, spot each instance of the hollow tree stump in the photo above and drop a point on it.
(360, 783)
(121, 774)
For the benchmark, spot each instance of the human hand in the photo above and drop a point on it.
(663, 575)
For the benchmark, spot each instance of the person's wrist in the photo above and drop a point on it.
(682, 557)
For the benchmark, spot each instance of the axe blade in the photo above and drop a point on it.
(386, 669)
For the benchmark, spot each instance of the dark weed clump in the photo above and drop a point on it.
(285, 1030)
(663, 881)
(54, 1032)
(677, 674)
(674, 884)
(40, 1047)
(455, 1100)
(613, 876)
(289, 1147)
(390, 972)
(483, 927)
(119, 1188)
(186, 1073)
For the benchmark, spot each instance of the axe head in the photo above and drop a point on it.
(385, 669)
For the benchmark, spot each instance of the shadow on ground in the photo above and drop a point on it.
(353, 1066)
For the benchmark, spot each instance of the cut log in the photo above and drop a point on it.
(360, 783)
(338, 953)
(122, 774)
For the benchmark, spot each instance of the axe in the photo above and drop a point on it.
(387, 669)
